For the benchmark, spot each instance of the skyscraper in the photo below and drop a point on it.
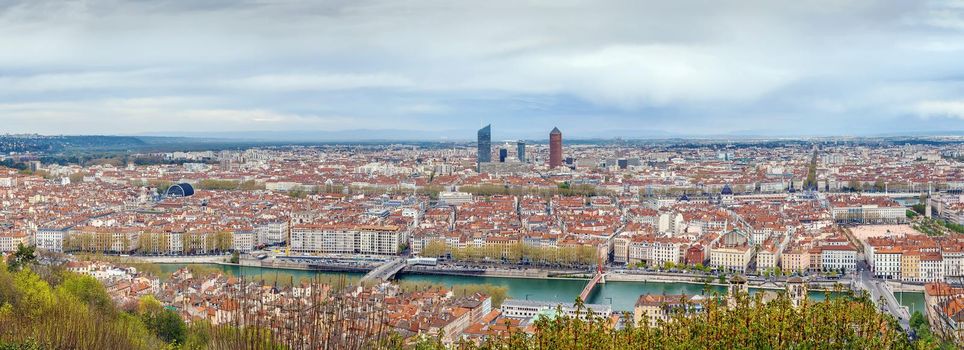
(503, 154)
(555, 148)
(521, 151)
(485, 146)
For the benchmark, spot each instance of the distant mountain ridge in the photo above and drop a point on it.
(498, 135)
(454, 135)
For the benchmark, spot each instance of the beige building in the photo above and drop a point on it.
(796, 259)
(768, 256)
(651, 309)
(377, 240)
(10, 241)
(731, 258)
(910, 266)
(732, 251)
(621, 249)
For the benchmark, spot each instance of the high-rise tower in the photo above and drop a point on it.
(521, 151)
(485, 146)
(555, 148)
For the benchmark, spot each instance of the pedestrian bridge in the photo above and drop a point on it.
(597, 279)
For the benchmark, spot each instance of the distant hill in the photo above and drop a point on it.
(58, 143)
(368, 135)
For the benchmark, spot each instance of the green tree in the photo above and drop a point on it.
(88, 290)
(854, 185)
(164, 323)
(879, 185)
(35, 296)
(297, 192)
(434, 248)
(24, 256)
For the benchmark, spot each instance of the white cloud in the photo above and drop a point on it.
(313, 81)
(265, 64)
(84, 80)
(138, 115)
(944, 109)
(423, 108)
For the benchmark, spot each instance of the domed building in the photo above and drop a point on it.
(726, 195)
(183, 189)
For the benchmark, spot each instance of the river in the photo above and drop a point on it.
(621, 295)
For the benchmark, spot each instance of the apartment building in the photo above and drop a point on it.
(9, 241)
(865, 209)
(331, 239)
(838, 258)
(887, 262)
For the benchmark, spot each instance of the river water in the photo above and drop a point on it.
(621, 295)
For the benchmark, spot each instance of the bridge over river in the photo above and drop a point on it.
(386, 271)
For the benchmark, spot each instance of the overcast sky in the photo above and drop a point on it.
(631, 67)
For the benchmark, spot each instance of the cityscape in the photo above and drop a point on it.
(628, 230)
(500, 175)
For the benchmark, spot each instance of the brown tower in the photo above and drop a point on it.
(555, 148)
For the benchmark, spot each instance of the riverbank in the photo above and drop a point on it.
(905, 287)
(615, 277)
(523, 274)
(190, 259)
(495, 272)
(530, 274)
(622, 295)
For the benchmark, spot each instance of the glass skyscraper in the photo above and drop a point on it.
(485, 146)
(521, 151)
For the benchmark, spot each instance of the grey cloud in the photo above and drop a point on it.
(333, 63)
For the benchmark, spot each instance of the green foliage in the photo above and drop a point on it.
(74, 313)
(919, 208)
(929, 226)
(24, 256)
(7, 290)
(434, 249)
(957, 228)
(235, 258)
(28, 345)
(926, 338)
(879, 186)
(298, 192)
(917, 320)
(163, 323)
(744, 323)
(161, 185)
(937, 227)
(853, 186)
(89, 291)
(35, 296)
(213, 184)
